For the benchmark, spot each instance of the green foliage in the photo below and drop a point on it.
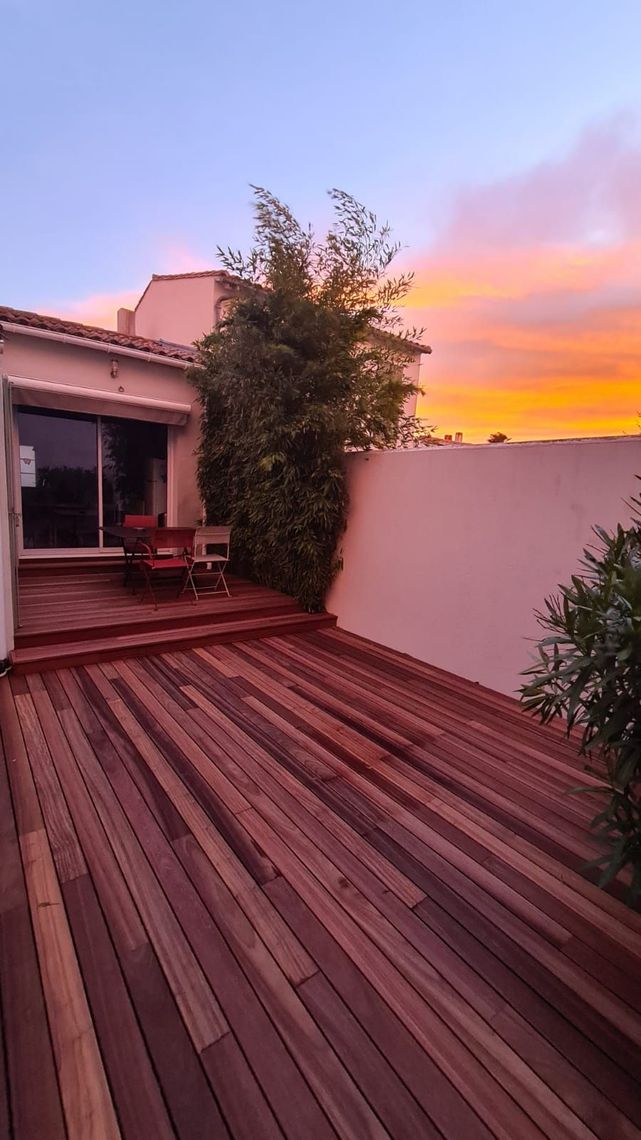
(308, 363)
(498, 437)
(589, 670)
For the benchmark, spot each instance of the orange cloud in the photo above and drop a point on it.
(97, 309)
(531, 299)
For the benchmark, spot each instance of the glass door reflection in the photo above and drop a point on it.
(134, 471)
(59, 478)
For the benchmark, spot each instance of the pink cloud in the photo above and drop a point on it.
(173, 256)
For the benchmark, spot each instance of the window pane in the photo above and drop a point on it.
(134, 471)
(59, 478)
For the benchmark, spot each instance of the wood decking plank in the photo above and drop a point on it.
(389, 1097)
(34, 1095)
(198, 1005)
(84, 1090)
(581, 996)
(459, 997)
(331, 1082)
(193, 1108)
(66, 851)
(451, 1055)
(303, 886)
(283, 945)
(246, 1109)
(125, 925)
(440, 1099)
(140, 1105)
(243, 1009)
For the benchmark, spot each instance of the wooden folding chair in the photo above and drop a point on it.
(216, 561)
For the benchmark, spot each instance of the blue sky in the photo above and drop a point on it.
(132, 130)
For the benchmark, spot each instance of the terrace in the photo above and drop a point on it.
(302, 886)
(75, 612)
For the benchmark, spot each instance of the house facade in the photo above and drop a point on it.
(99, 423)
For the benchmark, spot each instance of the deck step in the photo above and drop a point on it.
(45, 567)
(65, 655)
(148, 620)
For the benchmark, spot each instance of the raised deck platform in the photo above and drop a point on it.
(79, 612)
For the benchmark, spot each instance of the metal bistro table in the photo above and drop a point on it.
(128, 536)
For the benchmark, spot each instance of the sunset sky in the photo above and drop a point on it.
(501, 140)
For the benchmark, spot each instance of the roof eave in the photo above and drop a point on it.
(97, 345)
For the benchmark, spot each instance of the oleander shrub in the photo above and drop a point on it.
(589, 671)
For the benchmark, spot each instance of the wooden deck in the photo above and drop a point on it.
(75, 613)
(302, 887)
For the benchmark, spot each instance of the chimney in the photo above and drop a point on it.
(126, 321)
(447, 438)
(458, 438)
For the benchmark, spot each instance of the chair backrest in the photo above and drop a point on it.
(212, 536)
(179, 538)
(140, 520)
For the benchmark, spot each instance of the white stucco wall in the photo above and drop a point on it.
(448, 551)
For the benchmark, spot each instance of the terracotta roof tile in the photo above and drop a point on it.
(93, 333)
(193, 273)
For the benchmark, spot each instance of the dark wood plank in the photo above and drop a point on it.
(36, 1109)
(190, 1100)
(247, 1111)
(439, 1098)
(388, 1096)
(31, 1084)
(139, 1103)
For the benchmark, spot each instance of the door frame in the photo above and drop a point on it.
(14, 518)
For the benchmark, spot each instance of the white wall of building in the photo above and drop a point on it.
(448, 551)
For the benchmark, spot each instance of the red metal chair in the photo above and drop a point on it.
(167, 548)
(129, 544)
(140, 520)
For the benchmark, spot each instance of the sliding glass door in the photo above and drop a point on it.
(79, 473)
(59, 479)
(134, 470)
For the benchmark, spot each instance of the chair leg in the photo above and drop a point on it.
(222, 578)
(187, 580)
(192, 582)
(149, 591)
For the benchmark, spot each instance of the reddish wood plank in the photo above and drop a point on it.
(441, 1100)
(33, 1088)
(139, 1103)
(246, 1109)
(84, 1090)
(191, 1103)
(389, 1097)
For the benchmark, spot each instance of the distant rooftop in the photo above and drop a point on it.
(233, 279)
(198, 273)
